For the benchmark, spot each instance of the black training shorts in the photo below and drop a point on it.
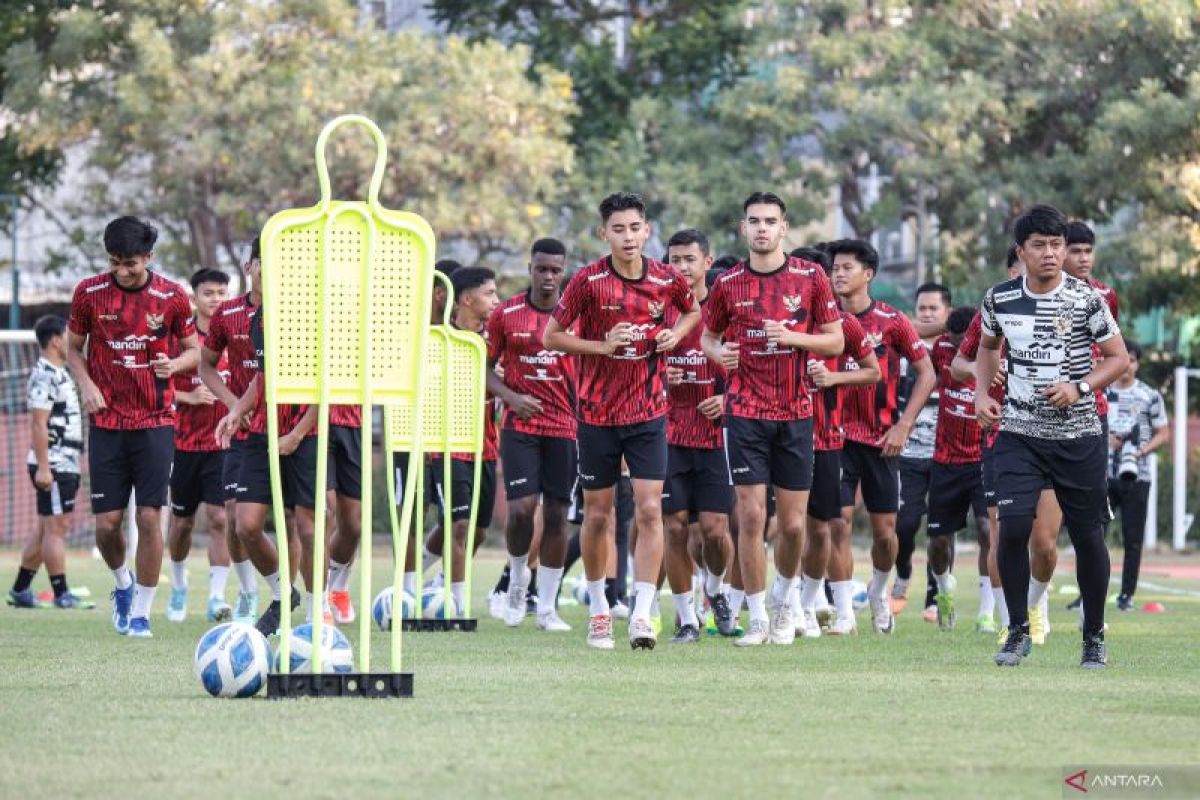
(775, 453)
(197, 477)
(864, 464)
(137, 461)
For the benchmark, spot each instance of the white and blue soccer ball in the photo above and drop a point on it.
(336, 653)
(382, 607)
(232, 660)
(859, 594)
(433, 603)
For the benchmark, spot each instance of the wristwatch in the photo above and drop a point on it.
(1084, 387)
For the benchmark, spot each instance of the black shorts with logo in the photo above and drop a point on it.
(462, 479)
(864, 464)
(345, 461)
(914, 489)
(954, 489)
(697, 481)
(770, 452)
(197, 477)
(825, 499)
(601, 447)
(298, 473)
(537, 465)
(60, 497)
(400, 465)
(1077, 470)
(137, 461)
(231, 468)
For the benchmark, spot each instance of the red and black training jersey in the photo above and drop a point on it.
(702, 379)
(491, 431)
(515, 340)
(289, 415)
(229, 334)
(347, 416)
(827, 412)
(768, 383)
(1110, 296)
(870, 411)
(969, 349)
(959, 438)
(627, 387)
(196, 425)
(127, 329)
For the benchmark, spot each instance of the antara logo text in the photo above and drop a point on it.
(1080, 781)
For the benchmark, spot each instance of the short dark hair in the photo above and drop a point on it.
(47, 327)
(551, 247)
(814, 255)
(1040, 219)
(1079, 233)
(764, 198)
(465, 279)
(621, 201)
(209, 276)
(724, 262)
(689, 236)
(126, 237)
(256, 249)
(1011, 258)
(960, 319)
(934, 288)
(447, 266)
(1134, 349)
(862, 251)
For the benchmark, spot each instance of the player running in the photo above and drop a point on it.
(130, 319)
(1049, 429)
(618, 304)
(763, 321)
(875, 434)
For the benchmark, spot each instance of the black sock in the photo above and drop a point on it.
(532, 592)
(24, 579)
(930, 585)
(906, 536)
(610, 591)
(502, 584)
(828, 593)
(1092, 571)
(1013, 559)
(59, 584)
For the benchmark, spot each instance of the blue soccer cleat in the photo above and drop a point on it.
(139, 628)
(247, 608)
(23, 599)
(122, 600)
(177, 605)
(218, 610)
(70, 600)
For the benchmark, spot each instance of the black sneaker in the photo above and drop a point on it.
(531, 603)
(1016, 646)
(1095, 654)
(295, 598)
(268, 623)
(1075, 604)
(686, 634)
(1124, 602)
(723, 614)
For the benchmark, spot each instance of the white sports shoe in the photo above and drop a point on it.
(756, 634)
(620, 610)
(514, 606)
(550, 621)
(843, 627)
(807, 625)
(881, 615)
(641, 634)
(783, 624)
(600, 632)
(497, 602)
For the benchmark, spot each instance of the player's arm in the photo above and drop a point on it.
(893, 441)
(987, 367)
(828, 342)
(230, 423)
(929, 330)
(556, 337)
(523, 405)
(1113, 362)
(39, 439)
(212, 380)
(187, 360)
(668, 338)
(292, 439)
(723, 353)
(89, 394)
(867, 373)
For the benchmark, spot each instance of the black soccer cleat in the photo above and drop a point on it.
(268, 623)
(1075, 604)
(1124, 602)
(1095, 654)
(723, 615)
(686, 634)
(1016, 646)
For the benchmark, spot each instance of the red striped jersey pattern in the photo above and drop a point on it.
(827, 412)
(868, 412)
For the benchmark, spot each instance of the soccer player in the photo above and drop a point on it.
(617, 304)
(956, 477)
(933, 304)
(1049, 429)
(196, 475)
(345, 476)
(56, 436)
(875, 433)
(129, 319)
(537, 439)
(697, 484)
(1137, 427)
(764, 319)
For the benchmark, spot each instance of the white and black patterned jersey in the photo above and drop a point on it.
(1049, 340)
(1133, 414)
(920, 444)
(51, 389)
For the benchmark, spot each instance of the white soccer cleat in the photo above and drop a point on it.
(620, 610)
(550, 621)
(641, 634)
(497, 602)
(600, 632)
(881, 615)
(514, 606)
(807, 625)
(758, 633)
(783, 625)
(843, 627)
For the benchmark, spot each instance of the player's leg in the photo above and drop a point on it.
(521, 455)
(345, 458)
(950, 492)
(791, 463)
(914, 485)
(21, 595)
(111, 479)
(246, 609)
(677, 500)
(150, 454)
(840, 571)
(984, 618)
(881, 496)
(713, 499)
(55, 528)
(1135, 496)
(748, 450)
(644, 448)
(185, 501)
(622, 533)
(1043, 555)
(219, 562)
(824, 505)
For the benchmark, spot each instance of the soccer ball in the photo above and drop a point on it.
(579, 591)
(859, 593)
(336, 655)
(433, 603)
(232, 660)
(381, 608)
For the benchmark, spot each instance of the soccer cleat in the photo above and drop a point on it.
(723, 615)
(881, 615)
(945, 607)
(620, 610)
(826, 615)
(177, 605)
(1037, 626)
(600, 632)
(642, 635)
(1095, 654)
(550, 621)
(218, 610)
(807, 625)
(686, 634)
(1001, 636)
(843, 627)
(783, 625)
(531, 604)
(758, 634)
(139, 628)
(710, 624)
(1017, 645)
(514, 606)
(268, 623)
(1074, 604)
(1124, 602)
(984, 623)
(930, 613)
(899, 598)
(343, 607)
(23, 599)
(70, 600)
(122, 601)
(247, 608)
(497, 602)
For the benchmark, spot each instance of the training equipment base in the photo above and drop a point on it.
(339, 684)
(427, 625)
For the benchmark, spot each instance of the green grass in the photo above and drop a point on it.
(503, 713)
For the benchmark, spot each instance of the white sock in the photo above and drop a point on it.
(597, 601)
(943, 582)
(123, 577)
(339, 576)
(878, 585)
(781, 589)
(843, 598)
(410, 583)
(736, 598)
(644, 595)
(713, 584)
(428, 559)
(794, 599)
(1037, 590)
(821, 601)
(458, 592)
(987, 602)
(685, 609)
(518, 571)
(217, 578)
(143, 598)
(900, 586)
(247, 576)
(655, 609)
(179, 574)
(1001, 606)
(1046, 611)
(810, 590)
(308, 606)
(549, 579)
(758, 606)
(273, 584)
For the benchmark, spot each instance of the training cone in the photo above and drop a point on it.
(1153, 607)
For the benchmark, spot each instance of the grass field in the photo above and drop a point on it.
(503, 713)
